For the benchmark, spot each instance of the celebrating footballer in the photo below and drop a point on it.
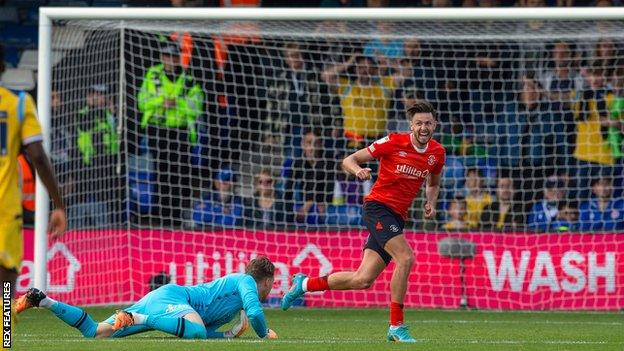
(406, 161)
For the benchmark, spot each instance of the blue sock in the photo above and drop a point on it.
(75, 317)
(179, 327)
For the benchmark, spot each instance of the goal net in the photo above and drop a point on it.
(185, 148)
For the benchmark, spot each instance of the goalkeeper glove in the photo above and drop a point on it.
(239, 328)
(271, 334)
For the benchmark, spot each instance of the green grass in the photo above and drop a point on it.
(350, 329)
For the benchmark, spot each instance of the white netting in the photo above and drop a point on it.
(236, 152)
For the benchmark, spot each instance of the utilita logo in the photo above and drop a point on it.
(411, 171)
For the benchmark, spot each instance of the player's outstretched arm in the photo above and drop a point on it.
(432, 191)
(253, 308)
(43, 166)
(351, 164)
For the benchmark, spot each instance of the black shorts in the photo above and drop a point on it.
(383, 224)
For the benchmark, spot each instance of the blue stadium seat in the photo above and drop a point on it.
(344, 215)
(141, 176)
(141, 197)
(19, 36)
(11, 56)
(313, 219)
(29, 16)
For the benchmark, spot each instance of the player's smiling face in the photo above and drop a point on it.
(422, 126)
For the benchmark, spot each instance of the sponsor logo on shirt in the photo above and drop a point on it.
(171, 307)
(394, 228)
(411, 171)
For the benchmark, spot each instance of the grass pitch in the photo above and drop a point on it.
(357, 329)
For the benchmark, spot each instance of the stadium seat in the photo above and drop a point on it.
(18, 79)
(19, 36)
(30, 59)
(28, 16)
(141, 197)
(8, 15)
(11, 56)
(344, 215)
(142, 176)
(64, 38)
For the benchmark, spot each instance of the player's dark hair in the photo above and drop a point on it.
(421, 106)
(260, 268)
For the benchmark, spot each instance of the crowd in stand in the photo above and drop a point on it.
(250, 131)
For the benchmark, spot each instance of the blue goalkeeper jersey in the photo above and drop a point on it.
(219, 301)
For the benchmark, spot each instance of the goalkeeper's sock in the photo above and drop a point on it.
(179, 327)
(315, 284)
(396, 314)
(72, 316)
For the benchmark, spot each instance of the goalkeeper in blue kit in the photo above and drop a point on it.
(189, 312)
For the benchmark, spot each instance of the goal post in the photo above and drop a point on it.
(246, 109)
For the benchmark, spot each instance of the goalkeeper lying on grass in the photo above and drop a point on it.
(193, 312)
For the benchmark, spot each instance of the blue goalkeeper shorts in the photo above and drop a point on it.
(171, 301)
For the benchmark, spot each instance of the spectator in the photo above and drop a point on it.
(592, 153)
(61, 138)
(364, 101)
(545, 212)
(297, 99)
(399, 122)
(266, 209)
(504, 214)
(605, 55)
(603, 212)
(170, 102)
(220, 207)
(526, 132)
(477, 198)
(418, 65)
(528, 135)
(567, 218)
(383, 47)
(562, 80)
(95, 184)
(456, 215)
(616, 114)
(313, 176)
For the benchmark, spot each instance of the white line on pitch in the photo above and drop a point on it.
(458, 321)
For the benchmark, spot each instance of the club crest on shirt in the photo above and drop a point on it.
(431, 160)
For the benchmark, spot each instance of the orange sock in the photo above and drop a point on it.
(396, 314)
(318, 284)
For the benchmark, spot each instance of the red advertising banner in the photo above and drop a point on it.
(508, 270)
